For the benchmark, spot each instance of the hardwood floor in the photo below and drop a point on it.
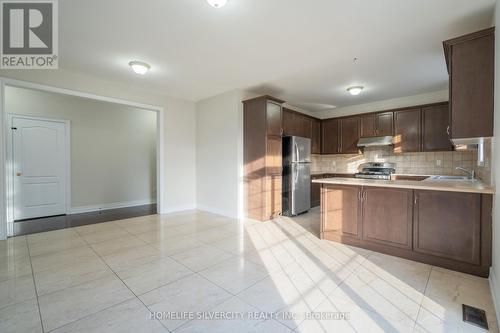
(32, 226)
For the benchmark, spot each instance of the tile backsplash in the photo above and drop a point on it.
(428, 163)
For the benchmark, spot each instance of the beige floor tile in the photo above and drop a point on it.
(391, 302)
(441, 316)
(131, 257)
(272, 259)
(55, 260)
(98, 227)
(130, 316)
(105, 235)
(58, 244)
(212, 235)
(65, 306)
(446, 287)
(71, 275)
(190, 294)
(13, 247)
(158, 235)
(20, 317)
(201, 257)
(143, 278)
(240, 244)
(119, 244)
(351, 317)
(172, 246)
(247, 324)
(14, 266)
(16, 290)
(50, 236)
(235, 275)
(397, 271)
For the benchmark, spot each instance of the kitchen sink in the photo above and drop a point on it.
(449, 178)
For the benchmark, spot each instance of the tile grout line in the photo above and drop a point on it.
(423, 297)
(126, 286)
(34, 284)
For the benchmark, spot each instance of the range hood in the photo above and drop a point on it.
(375, 141)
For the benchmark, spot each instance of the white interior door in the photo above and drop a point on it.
(39, 167)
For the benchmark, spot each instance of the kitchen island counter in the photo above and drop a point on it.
(452, 185)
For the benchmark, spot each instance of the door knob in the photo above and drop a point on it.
(19, 174)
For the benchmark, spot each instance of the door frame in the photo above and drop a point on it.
(160, 158)
(9, 163)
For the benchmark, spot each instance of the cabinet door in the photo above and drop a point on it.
(316, 137)
(273, 116)
(304, 124)
(349, 135)
(368, 125)
(288, 122)
(471, 87)
(340, 210)
(315, 191)
(384, 124)
(447, 224)
(273, 196)
(330, 134)
(435, 122)
(407, 131)
(387, 216)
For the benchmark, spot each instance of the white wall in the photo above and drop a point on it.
(388, 104)
(495, 270)
(178, 124)
(113, 147)
(219, 153)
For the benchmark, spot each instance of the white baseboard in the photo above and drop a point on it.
(494, 292)
(178, 209)
(114, 205)
(217, 211)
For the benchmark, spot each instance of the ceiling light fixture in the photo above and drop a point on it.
(217, 3)
(356, 90)
(139, 67)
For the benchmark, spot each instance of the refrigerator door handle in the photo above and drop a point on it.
(296, 176)
(297, 156)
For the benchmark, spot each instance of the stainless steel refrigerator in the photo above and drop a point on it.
(296, 185)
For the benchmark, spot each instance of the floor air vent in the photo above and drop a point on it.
(474, 316)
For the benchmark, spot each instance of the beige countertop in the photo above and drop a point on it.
(427, 184)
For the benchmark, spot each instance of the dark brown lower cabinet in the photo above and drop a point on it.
(441, 228)
(340, 211)
(387, 216)
(447, 225)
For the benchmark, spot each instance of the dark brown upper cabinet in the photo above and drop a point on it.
(407, 131)
(349, 135)
(330, 132)
(470, 60)
(377, 124)
(289, 126)
(297, 124)
(315, 136)
(435, 128)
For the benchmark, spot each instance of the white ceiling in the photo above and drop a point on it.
(300, 51)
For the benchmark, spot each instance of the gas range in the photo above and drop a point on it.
(376, 170)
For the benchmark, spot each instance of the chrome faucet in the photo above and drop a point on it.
(471, 174)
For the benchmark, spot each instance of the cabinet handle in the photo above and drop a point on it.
(415, 200)
(448, 130)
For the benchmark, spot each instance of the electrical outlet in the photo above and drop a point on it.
(439, 163)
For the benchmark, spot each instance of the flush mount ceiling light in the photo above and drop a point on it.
(356, 90)
(217, 3)
(139, 67)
